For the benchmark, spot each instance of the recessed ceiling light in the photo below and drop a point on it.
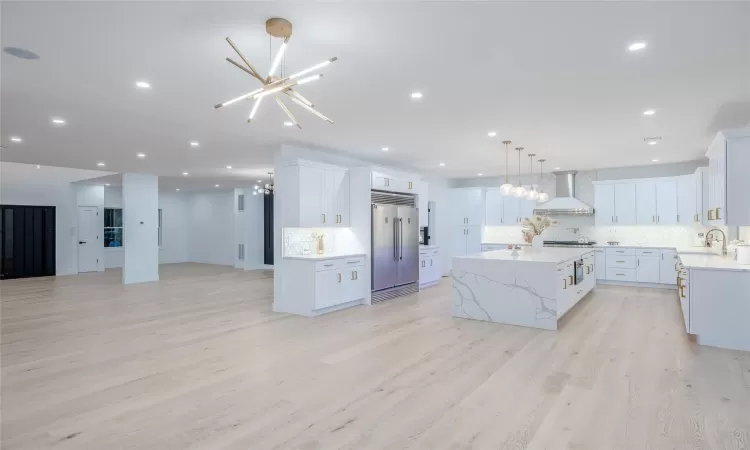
(185, 174)
(479, 174)
(100, 164)
(58, 121)
(141, 155)
(385, 149)
(654, 160)
(229, 167)
(635, 46)
(649, 112)
(178, 189)
(143, 84)
(492, 134)
(216, 185)
(16, 139)
(557, 168)
(38, 166)
(652, 142)
(288, 123)
(256, 187)
(106, 184)
(442, 164)
(194, 143)
(416, 95)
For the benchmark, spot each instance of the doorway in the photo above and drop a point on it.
(27, 241)
(88, 239)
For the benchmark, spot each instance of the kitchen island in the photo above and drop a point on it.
(534, 288)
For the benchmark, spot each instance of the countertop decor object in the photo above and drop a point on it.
(535, 226)
(320, 243)
(282, 83)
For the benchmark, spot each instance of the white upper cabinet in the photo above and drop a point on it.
(525, 209)
(604, 204)
(625, 212)
(701, 195)
(645, 202)
(392, 183)
(728, 180)
(467, 206)
(687, 199)
(493, 208)
(510, 210)
(423, 199)
(666, 202)
(319, 196)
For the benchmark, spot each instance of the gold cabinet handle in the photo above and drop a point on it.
(565, 281)
(717, 213)
(352, 275)
(356, 275)
(410, 185)
(339, 275)
(679, 280)
(571, 279)
(682, 291)
(710, 214)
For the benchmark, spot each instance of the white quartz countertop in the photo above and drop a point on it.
(429, 247)
(712, 262)
(539, 255)
(525, 244)
(325, 256)
(679, 249)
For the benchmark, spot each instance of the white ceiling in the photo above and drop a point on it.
(555, 78)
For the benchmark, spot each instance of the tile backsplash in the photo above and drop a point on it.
(301, 241)
(674, 235)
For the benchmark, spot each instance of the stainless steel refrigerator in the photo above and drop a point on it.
(395, 250)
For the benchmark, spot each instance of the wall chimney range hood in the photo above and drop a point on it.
(565, 201)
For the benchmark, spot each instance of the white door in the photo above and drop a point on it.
(510, 210)
(312, 198)
(493, 208)
(645, 203)
(625, 204)
(88, 239)
(474, 240)
(604, 204)
(687, 202)
(666, 203)
(647, 269)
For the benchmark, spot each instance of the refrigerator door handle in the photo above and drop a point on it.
(395, 237)
(401, 238)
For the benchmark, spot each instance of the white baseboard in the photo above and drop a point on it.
(636, 284)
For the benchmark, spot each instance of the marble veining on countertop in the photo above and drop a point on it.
(712, 262)
(315, 256)
(540, 255)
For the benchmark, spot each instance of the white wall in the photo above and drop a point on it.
(61, 195)
(140, 220)
(211, 227)
(175, 224)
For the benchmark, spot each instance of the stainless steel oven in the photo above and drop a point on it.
(578, 271)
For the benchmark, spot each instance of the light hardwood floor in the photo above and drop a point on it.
(199, 361)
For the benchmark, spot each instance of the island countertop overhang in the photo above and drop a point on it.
(549, 255)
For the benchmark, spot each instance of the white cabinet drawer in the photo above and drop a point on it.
(340, 263)
(621, 261)
(620, 251)
(648, 252)
(618, 274)
(329, 264)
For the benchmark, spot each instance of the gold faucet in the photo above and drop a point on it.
(723, 242)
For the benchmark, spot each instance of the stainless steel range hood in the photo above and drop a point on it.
(565, 201)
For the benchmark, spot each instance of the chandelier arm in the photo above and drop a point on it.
(256, 105)
(242, 57)
(241, 97)
(277, 59)
(291, 93)
(241, 67)
(288, 113)
(312, 110)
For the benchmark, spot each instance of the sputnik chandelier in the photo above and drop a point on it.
(281, 83)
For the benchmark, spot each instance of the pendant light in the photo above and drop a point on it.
(519, 191)
(543, 197)
(507, 188)
(532, 194)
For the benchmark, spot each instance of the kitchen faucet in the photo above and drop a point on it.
(724, 240)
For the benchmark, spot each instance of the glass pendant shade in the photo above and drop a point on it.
(532, 194)
(519, 192)
(543, 197)
(507, 189)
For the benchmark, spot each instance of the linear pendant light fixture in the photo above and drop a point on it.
(543, 197)
(532, 194)
(281, 84)
(519, 191)
(507, 188)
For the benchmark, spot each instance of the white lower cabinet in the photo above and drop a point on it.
(668, 267)
(430, 270)
(647, 269)
(336, 286)
(601, 264)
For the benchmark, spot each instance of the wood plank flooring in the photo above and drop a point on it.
(199, 361)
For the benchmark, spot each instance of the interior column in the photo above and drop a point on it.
(140, 213)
